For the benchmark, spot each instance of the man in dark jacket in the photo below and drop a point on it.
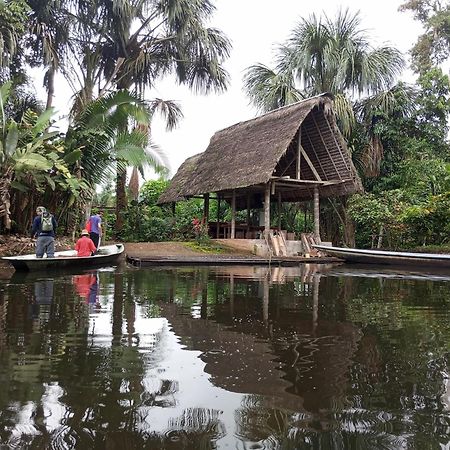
(44, 228)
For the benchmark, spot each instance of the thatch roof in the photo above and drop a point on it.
(250, 154)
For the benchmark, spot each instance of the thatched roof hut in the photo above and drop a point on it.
(294, 149)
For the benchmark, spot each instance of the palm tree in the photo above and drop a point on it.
(130, 44)
(48, 36)
(323, 55)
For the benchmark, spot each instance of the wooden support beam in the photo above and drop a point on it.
(314, 150)
(299, 153)
(289, 164)
(206, 208)
(267, 211)
(279, 210)
(316, 214)
(233, 215)
(310, 164)
(218, 217)
(248, 209)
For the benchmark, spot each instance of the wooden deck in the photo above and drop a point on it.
(215, 260)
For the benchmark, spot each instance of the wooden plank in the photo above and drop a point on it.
(310, 164)
(282, 244)
(233, 215)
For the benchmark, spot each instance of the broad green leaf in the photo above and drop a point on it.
(11, 139)
(43, 121)
(50, 182)
(72, 157)
(33, 161)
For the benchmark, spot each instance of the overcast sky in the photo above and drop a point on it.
(255, 27)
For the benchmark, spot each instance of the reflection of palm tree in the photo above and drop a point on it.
(196, 428)
(274, 428)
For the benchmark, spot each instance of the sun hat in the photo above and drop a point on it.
(84, 232)
(40, 209)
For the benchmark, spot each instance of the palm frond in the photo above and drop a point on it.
(168, 109)
(269, 90)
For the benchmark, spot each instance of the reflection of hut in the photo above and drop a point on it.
(292, 154)
(297, 360)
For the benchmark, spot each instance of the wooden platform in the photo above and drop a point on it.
(215, 260)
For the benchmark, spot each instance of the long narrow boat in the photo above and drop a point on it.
(106, 255)
(381, 257)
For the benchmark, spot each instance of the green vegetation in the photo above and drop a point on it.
(397, 133)
(206, 247)
(109, 53)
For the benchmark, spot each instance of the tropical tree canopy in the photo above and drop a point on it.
(324, 55)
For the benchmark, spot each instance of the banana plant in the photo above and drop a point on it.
(31, 157)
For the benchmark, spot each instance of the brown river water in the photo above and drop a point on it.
(308, 357)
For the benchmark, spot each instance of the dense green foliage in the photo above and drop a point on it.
(397, 133)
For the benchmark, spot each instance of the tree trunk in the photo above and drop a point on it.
(121, 200)
(50, 87)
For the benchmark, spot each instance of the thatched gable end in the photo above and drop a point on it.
(247, 154)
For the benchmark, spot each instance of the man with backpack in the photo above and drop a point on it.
(44, 228)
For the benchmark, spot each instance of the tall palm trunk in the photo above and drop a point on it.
(50, 81)
(121, 199)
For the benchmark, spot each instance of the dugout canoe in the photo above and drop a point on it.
(381, 257)
(107, 254)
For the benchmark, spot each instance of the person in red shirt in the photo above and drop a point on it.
(84, 245)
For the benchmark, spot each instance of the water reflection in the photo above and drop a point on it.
(244, 357)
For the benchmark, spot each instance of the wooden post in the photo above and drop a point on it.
(279, 210)
(316, 214)
(206, 208)
(233, 215)
(248, 215)
(218, 217)
(299, 155)
(267, 211)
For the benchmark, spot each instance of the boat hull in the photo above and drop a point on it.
(62, 260)
(380, 257)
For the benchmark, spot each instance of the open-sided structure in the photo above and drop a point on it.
(292, 154)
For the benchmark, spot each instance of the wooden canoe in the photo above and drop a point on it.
(106, 255)
(381, 257)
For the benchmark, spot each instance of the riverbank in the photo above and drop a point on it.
(13, 245)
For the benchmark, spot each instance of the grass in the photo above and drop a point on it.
(206, 247)
(444, 248)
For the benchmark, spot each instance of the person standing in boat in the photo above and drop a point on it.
(84, 246)
(95, 232)
(44, 228)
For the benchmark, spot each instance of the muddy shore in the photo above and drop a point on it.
(21, 245)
